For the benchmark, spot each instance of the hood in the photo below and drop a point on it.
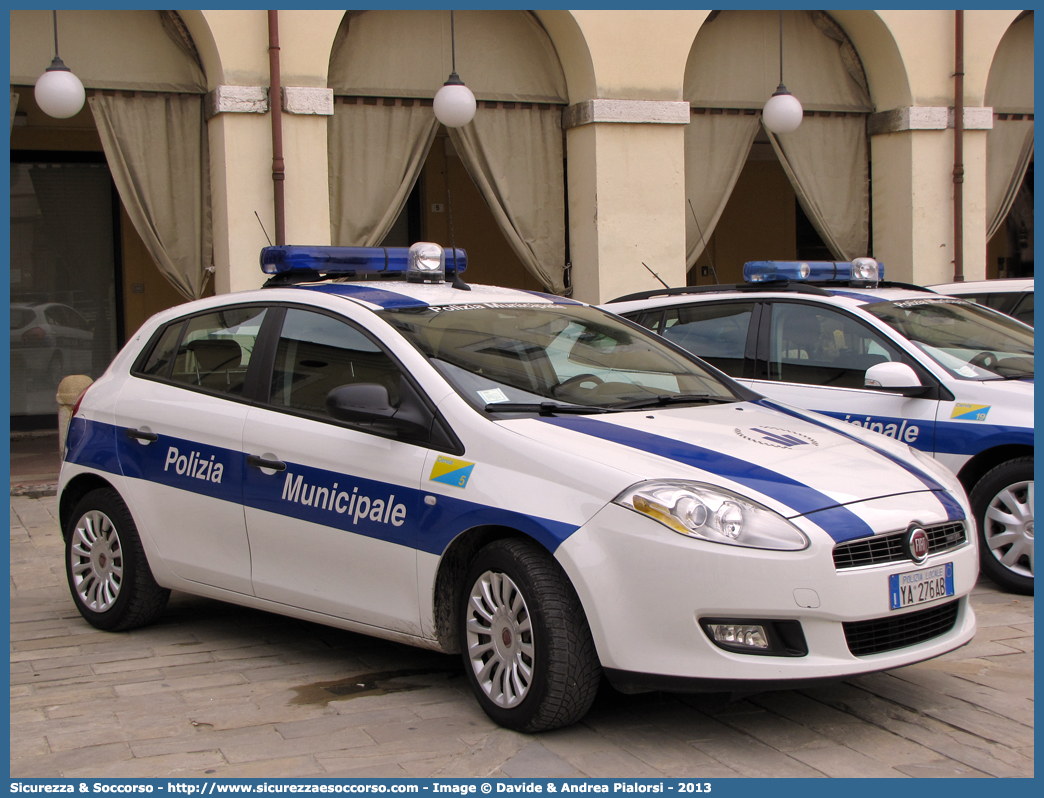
(785, 459)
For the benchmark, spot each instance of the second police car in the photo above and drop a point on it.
(946, 376)
(550, 490)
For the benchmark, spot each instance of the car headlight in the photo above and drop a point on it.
(711, 513)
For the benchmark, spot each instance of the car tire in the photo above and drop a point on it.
(525, 640)
(109, 576)
(1002, 502)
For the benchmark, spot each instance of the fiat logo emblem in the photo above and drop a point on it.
(916, 544)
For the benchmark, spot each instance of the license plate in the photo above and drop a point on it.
(920, 587)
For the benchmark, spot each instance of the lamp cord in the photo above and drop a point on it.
(453, 44)
(781, 47)
(55, 19)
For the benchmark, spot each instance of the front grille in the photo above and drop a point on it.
(898, 631)
(889, 548)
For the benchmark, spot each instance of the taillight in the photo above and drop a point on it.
(34, 335)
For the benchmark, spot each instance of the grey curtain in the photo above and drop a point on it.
(734, 64)
(1009, 146)
(515, 158)
(826, 163)
(1009, 150)
(501, 55)
(376, 153)
(716, 147)
(157, 152)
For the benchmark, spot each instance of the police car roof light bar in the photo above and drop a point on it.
(864, 271)
(348, 261)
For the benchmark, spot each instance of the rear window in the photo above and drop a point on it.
(20, 317)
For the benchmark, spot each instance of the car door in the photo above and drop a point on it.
(815, 357)
(330, 508)
(179, 441)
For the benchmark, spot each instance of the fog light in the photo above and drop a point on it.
(739, 635)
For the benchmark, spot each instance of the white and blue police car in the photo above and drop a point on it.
(544, 487)
(949, 377)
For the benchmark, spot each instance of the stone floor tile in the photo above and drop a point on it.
(940, 769)
(839, 761)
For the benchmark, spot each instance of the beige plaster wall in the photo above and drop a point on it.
(241, 175)
(630, 209)
(639, 54)
(913, 205)
(626, 181)
(925, 43)
(241, 183)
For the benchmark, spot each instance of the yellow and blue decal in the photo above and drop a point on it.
(453, 472)
(968, 412)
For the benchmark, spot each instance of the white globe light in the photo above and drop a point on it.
(783, 112)
(59, 93)
(454, 104)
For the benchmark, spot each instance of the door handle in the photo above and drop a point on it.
(139, 435)
(260, 462)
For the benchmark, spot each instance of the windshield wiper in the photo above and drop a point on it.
(675, 399)
(543, 408)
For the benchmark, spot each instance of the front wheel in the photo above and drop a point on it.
(527, 648)
(1002, 502)
(109, 577)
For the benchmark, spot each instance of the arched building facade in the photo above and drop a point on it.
(607, 145)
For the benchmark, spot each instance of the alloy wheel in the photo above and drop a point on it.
(96, 561)
(1008, 527)
(500, 639)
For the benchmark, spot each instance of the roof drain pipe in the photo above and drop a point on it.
(958, 147)
(275, 105)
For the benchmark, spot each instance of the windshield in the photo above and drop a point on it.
(533, 357)
(969, 341)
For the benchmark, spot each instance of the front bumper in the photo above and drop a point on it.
(645, 589)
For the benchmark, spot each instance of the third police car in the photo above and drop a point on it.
(944, 375)
(550, 490)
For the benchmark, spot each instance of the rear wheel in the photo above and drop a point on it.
(1003, 505)
(109, 577)
(527, 647)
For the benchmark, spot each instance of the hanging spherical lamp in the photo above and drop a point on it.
(454, 103)
(58, 92)
(783, 111)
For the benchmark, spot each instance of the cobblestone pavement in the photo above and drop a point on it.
(215, 690)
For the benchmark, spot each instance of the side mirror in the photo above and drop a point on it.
(368, 404)
(894, 378)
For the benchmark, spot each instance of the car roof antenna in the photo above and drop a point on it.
(263, 230)
(457, 282)
(705, 247)
(654, 274)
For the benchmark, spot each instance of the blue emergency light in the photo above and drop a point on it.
(864, 272)
(422, 262)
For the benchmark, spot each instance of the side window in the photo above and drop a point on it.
(650, 319)
(1024, 310)
(215, 350)
(819, 346)
(159, 360)
(716, 333)
(978, 299)
(317, 353)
